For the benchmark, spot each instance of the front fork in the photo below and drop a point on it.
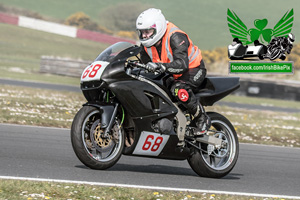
(111, 122)
(108, 115)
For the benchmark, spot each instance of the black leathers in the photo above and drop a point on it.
(191, 78)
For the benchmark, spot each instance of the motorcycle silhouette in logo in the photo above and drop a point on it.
(279, 39)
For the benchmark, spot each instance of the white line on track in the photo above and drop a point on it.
(150, 187)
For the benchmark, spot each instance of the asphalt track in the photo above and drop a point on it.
(39, 152)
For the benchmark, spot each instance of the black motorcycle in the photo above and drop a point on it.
(132, 112)
(278, 47)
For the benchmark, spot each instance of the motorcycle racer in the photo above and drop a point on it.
(285, 43)
(168, 49)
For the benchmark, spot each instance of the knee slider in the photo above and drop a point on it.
(179, 91)
(183, 95)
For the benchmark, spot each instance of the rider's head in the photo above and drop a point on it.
(151, 26)
(291, 38)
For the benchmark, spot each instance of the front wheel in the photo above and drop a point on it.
(275, 53)
(216, 162)
(88, 141)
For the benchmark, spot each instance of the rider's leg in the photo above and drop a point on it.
(200, 117)
(184, 93)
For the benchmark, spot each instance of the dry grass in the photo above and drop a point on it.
(30, 190)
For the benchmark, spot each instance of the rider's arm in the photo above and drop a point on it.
(179, 44)
(289, 49)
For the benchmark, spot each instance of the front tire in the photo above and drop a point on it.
(221, 161)
(89, 145)
(275, 53)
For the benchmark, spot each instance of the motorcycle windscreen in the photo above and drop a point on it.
(111, 53)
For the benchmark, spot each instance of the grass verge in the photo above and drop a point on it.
(29, 190)
(22, 105)
(262, 101)
(21, 50)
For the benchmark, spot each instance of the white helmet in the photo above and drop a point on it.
(151, 19)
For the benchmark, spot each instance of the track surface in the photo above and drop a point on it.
(37, 152)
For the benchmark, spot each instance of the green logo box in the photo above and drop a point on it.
(261, 67)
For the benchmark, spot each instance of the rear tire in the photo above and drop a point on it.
(222, 161)
(90, 147)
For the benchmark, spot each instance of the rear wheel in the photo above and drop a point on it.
(216, 162)
(88, 141)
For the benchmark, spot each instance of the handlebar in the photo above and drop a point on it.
(139, 65)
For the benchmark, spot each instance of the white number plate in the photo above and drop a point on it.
(94, 71)
(150, 144)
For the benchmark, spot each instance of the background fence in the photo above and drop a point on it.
(63, 66)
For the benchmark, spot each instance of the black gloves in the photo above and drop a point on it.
(155, 67)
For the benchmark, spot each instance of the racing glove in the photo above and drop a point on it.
(155, 67)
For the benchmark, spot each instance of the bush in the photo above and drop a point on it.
(216, 55)
(80, 20)
(83, 21)
(128, 34)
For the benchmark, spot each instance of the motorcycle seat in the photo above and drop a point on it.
(215, 88)
(204, 93)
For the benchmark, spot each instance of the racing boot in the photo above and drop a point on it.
(202, 121)
(203, 124)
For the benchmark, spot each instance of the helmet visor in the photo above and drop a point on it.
(145, 34)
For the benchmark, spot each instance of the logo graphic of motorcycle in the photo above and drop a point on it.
(280, 39)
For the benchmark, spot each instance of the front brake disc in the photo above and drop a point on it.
(102, 144)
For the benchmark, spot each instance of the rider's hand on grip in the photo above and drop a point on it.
(152, 67)
(155, 67)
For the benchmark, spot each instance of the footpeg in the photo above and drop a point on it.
(180, 144)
